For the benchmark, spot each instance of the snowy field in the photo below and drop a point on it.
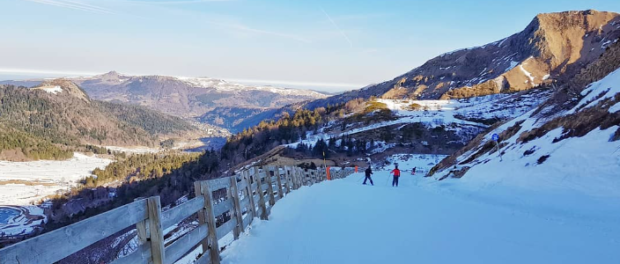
(24, 182)
(427, 221)
(134, 150)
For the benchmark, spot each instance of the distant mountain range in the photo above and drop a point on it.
(52, 119)
(212, 101)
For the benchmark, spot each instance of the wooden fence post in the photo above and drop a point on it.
(300, 177)
(142, 228)
(234, 193)
(206, 217)
(294, 178)
(202, 216)
(250, 193)
(272, 198)
(261, 196)
(287, 177)
(157, 233)
(279, 181)
(314, 176)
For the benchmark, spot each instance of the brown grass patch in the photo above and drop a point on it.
(28, 183)
(578, 124)
(451, 160)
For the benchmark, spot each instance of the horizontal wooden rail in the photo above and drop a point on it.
(248, 195)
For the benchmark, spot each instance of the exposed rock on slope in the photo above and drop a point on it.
(575, 135)
(553, 47)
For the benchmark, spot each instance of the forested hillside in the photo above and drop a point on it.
(49, 121)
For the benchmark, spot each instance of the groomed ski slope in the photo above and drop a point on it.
(426, 221)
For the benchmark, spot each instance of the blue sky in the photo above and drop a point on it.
(324, 45)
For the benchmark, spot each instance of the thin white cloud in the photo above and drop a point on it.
(344, 35)
(245, 28)
(75, 5)
(180, 2)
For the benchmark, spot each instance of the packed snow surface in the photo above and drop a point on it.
(424, 221)
(25, 182)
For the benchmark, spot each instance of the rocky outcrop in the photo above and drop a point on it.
(551, 49)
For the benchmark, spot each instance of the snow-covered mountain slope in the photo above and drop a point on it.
(576, 151)
(421, 221)
(463, 119)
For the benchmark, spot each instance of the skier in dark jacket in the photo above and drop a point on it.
(396, 173)
(368, 173)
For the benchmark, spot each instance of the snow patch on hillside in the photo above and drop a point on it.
(50, 89)
(528, 74)
(134, 150)
(598, 91)
(615, 108)
(223, 85)
(580, 169)
(448, 113)
(24, 182)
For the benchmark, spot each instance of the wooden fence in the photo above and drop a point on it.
(250, 194)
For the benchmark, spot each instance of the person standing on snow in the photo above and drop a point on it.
(368, 173)
(413, 171)
(396, 173)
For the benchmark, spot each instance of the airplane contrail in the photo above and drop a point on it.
(337, 27)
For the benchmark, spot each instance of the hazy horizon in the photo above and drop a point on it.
(320, 45)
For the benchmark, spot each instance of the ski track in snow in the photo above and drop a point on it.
(424, 221)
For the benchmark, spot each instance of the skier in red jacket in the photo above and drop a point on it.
(396, 173)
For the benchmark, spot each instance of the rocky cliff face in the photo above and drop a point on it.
(551, 46)
(551, 49)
